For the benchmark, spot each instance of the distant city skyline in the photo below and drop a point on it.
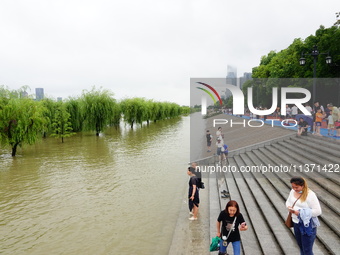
(231, 78)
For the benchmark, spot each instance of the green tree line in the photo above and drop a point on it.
(24, 120)
(285, 64)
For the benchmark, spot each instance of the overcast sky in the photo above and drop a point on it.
(145, 48)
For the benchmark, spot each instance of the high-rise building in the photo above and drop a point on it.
(231, 75)
(246, 77)
(232, 79)
(39, 94)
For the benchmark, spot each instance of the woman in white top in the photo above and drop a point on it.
(304, 214)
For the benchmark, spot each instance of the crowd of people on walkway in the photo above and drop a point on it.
(321, 117)
(330, 115)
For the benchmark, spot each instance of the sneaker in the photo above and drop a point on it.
(192, 218)
(191, 213)
(225, 196)
(224, 191)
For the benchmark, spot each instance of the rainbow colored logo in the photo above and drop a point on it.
(204, 102)
(209, 93)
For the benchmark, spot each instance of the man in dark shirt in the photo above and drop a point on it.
(209, 139)
(302, 127)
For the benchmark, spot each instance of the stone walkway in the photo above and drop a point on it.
(193, 237)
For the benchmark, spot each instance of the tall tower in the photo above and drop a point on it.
(39, 94)
(231, 75)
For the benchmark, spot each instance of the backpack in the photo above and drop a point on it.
(225, 149)
(200, 184)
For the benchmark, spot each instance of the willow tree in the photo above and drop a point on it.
(21, 122)
(73, 107)
(160, 111)
(50, 108)
(116, 115)
(133, 110)
(98, 108)
(153, 109)
(61, 125)
(185, 110)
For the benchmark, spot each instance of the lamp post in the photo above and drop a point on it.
(315, 53)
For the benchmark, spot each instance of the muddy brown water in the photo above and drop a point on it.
(119, 193)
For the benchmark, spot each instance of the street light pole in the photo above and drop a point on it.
(315, 53)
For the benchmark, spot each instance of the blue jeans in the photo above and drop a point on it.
(236, 247)
(304, 241)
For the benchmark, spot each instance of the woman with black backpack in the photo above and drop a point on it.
(193, 193)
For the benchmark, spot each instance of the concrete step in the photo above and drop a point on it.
(262, 196)
(316, 143)
(309, 153)
(251, 244)
(271, 209)
(290, 154)
(329, 169)
(330, 204)
(327, 140)
(309, 147)
(214, 204)
(319, 246)
(262, 230)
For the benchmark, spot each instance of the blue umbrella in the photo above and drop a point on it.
(308, 119)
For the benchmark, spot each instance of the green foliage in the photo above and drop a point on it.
(98, 108)
(130, 111)
(137, 110)
(73, 107)
(185, 110)
(49, 114)
(116, 115)
(285, 64)
(61, 125)
(22, 121)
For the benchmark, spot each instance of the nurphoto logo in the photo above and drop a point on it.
(238, 99)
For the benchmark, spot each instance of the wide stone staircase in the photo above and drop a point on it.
(262, 195)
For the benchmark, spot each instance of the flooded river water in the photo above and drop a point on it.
(118, 193)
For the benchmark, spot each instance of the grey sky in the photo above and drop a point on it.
(145, 48)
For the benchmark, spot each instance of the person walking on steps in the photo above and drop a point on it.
(305, 208)
(232, 223)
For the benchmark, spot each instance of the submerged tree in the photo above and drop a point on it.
(116, 115)
(98, 108)
(73, 106)
(49, 113)
(21, 122)
(129, 109)
(61, 125)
